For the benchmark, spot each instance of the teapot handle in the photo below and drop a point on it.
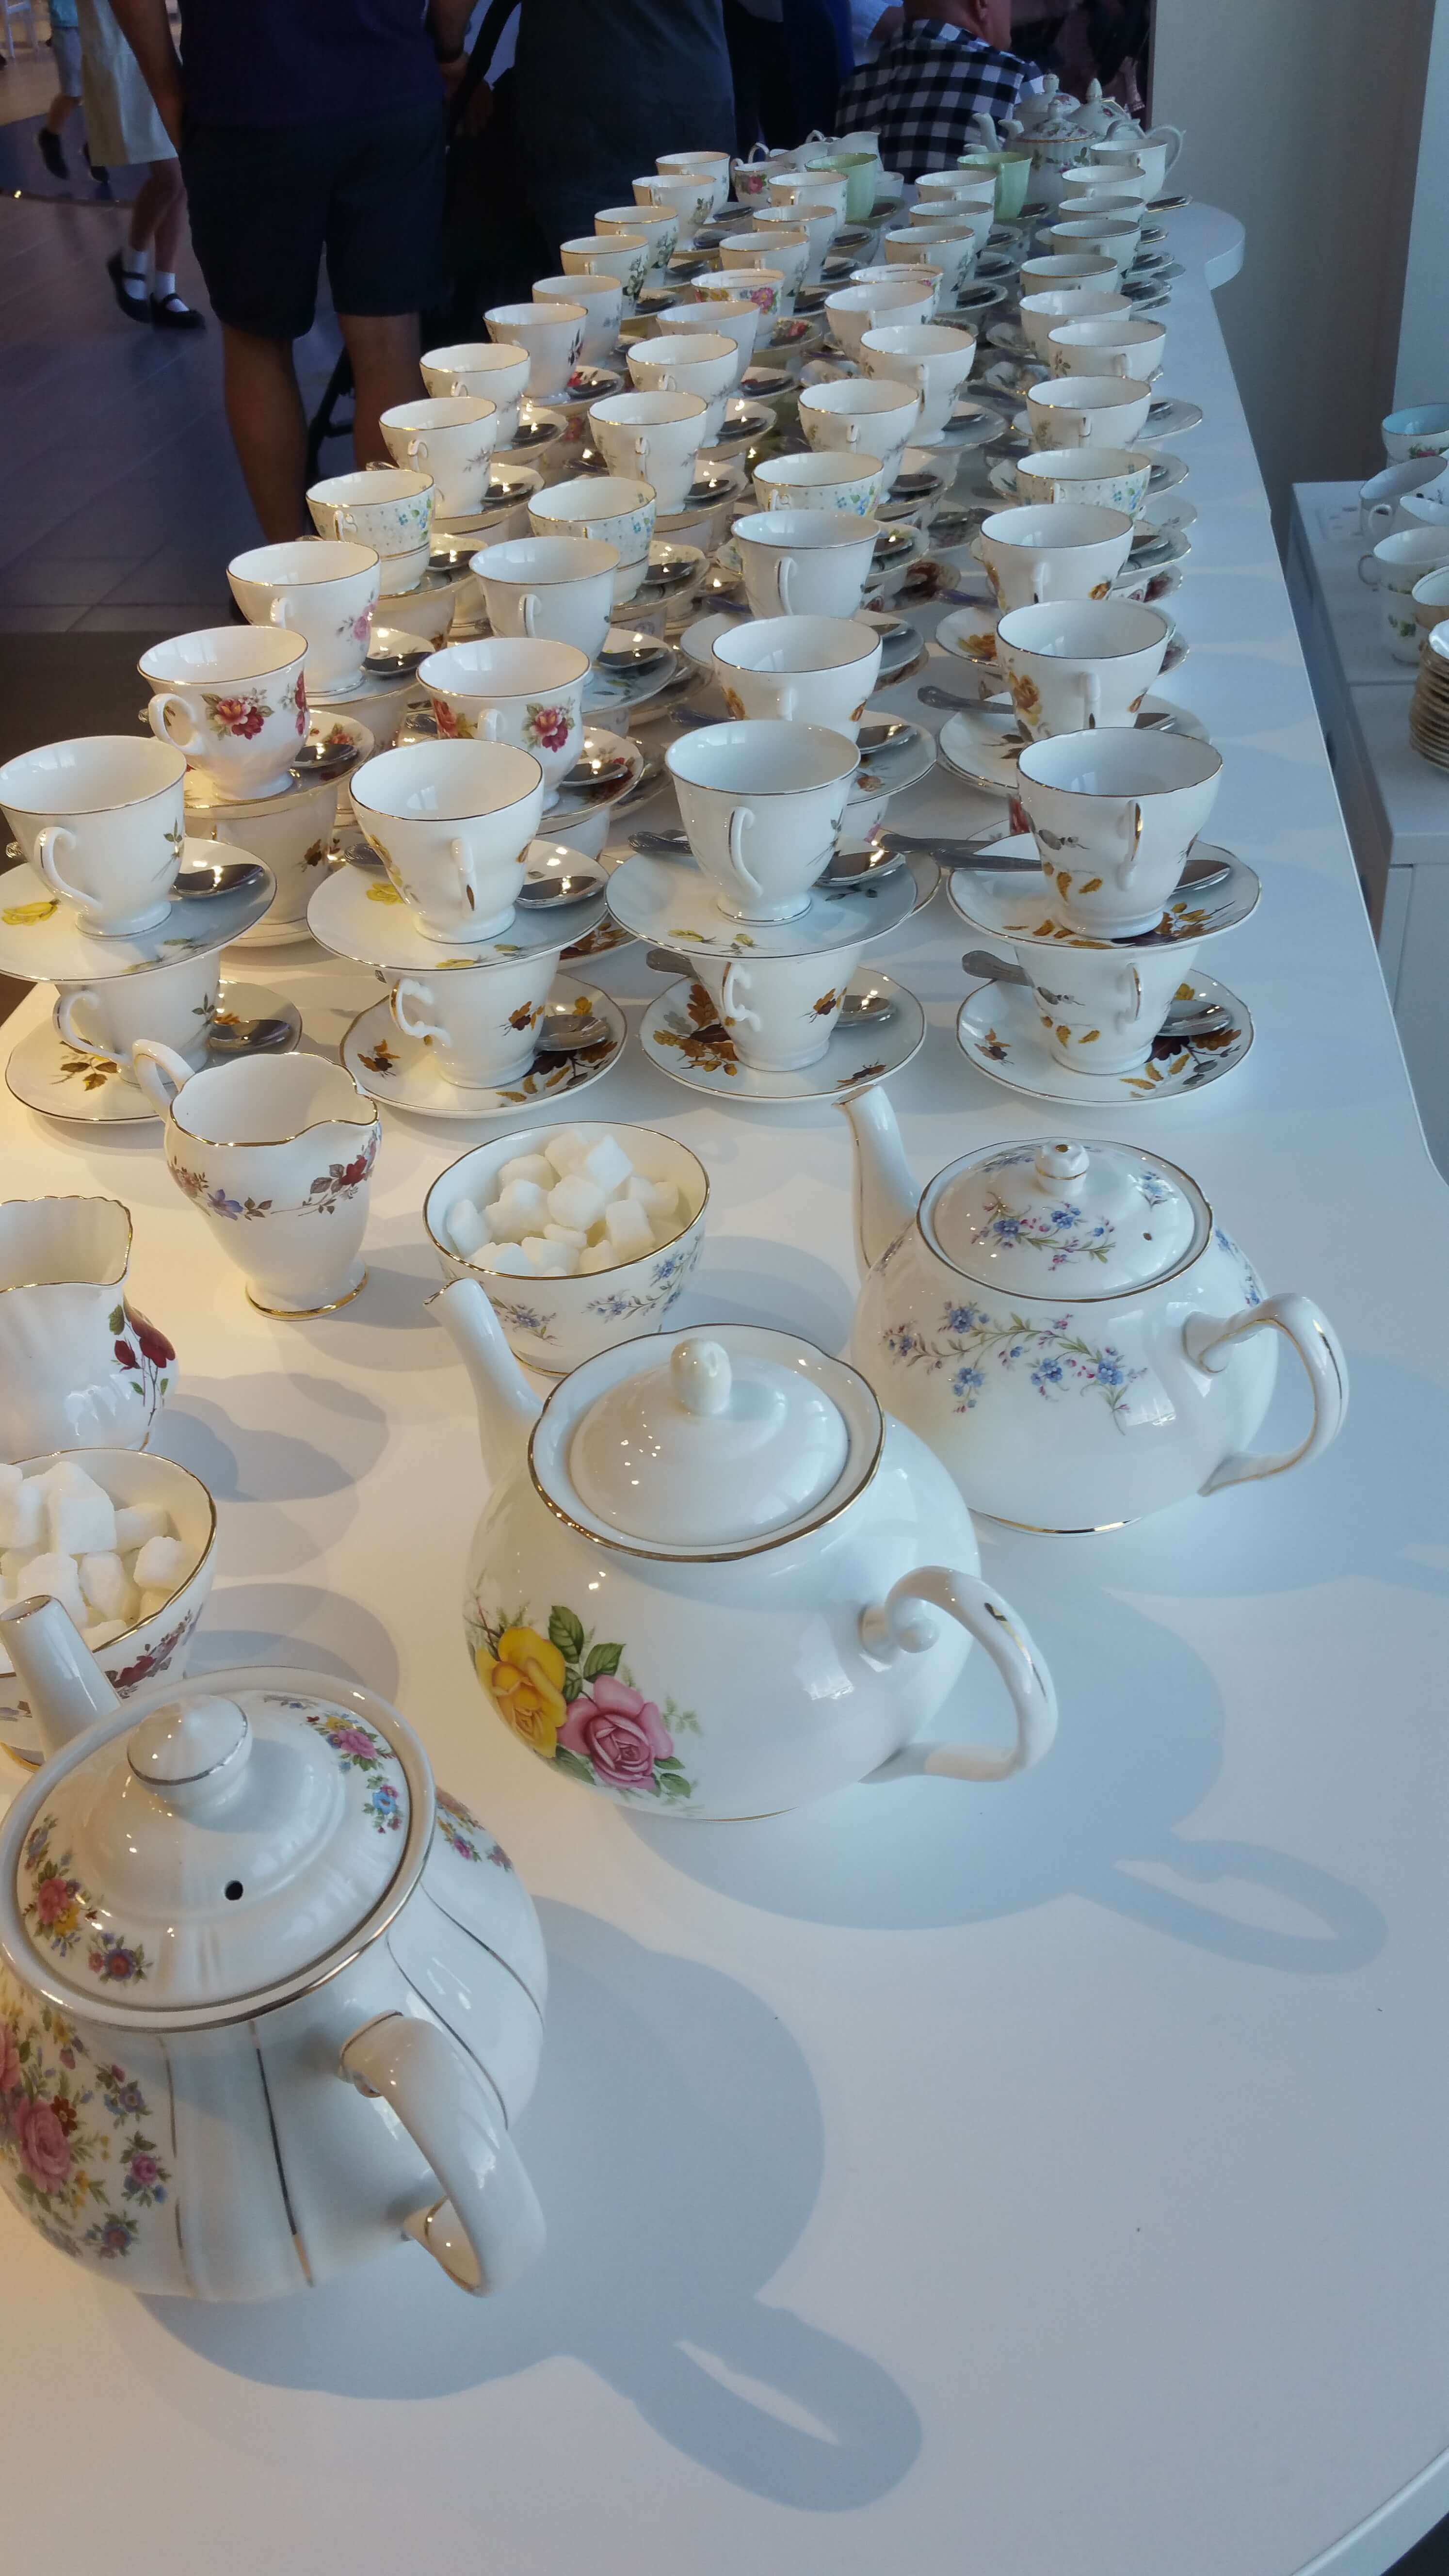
(901, 1624)
(488, 2226)
(1209, 1346)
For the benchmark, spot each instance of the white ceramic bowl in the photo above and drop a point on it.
(552, 1324)
(151, 1647)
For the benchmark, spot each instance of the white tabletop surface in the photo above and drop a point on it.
(1030, 2179)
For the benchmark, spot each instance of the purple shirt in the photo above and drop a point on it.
(295, 62)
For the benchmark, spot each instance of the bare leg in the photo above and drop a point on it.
(62, 108)
(159, 201)
(269, 430)
(384, 349)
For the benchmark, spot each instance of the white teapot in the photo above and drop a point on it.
(1070, 1330)
(266, 2001)
(710, 1579)
(79, 1367)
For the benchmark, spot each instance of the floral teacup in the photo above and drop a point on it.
(505, 688)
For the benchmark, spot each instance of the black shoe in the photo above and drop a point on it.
(169, 313)
(137, 308)
(51, 153)
(101, 176)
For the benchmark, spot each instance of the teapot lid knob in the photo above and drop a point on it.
(1061, 1166)
(700, 1375)
(179, 1750)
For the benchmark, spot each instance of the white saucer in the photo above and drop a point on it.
(402, 1072)
(671, 902)
(904, 763)
(1024, 910)
(373, 684)
(998, 1028)
(1169, 418)
(95, 1091)
(41, 940)
(698, 641)
(745, 421)
(1166, 514)
(680, 1034)
(601, 941)
(977, 744)
(203, 797)
(1167, 472)
(971, 424)
(1155, 548)
(613, 693)
(358, 914)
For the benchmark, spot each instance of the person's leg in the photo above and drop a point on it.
(384, 351)
(269, 429)
(66, 43)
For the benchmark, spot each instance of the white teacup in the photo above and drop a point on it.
(944, 246)
(450, 822)
(321, 588)
(729, 315)
(496, 370)
(780, 1011)
(805, 563)
(714, 166)
(656, 436)
(1151, 160)
(706, 363)
(292, 835)
(624, 256)
(876, 414)
(174, 1004)
(854, 310)
(454, 436)
(1076, 663)
(971, 190)
(656, 226)
(1040, 314)
(786, 248)
(762, 287)
(809, 215)
(926, 276)
(101, 817)
(1110, 346)
(1382, 497)
(953, 216)
(761, 804)
(822, 187)
(1392, 568)
(750, 176)
(613, 508)
(561, 588)
(1101, 1008)
(233, 702)
(553, 335)
(833, 479)
(934, 184)
(481, 1021)
(602, 299)
(1062, 550)
(1088, 411)
(516, 689)
(1093, 180)
(1114, 815)
(1048, 272)
(1098, 236)
(800, 670)
(276, 1153)
(689, 195)
(935, 357)
(1422, 430)
(387, 507)
(1104, 478)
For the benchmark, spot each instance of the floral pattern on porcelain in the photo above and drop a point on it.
(74, 2155)
(463, 1834)
(975, 1346)
(572, 1700)
(666, 1281)
(328, 1192)
(62, 1915)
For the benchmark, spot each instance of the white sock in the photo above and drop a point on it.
(133, 273)
(163, 284)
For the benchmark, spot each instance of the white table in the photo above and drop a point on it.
(1033, 2179)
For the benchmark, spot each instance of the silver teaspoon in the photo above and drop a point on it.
(537, 894)
(227, 876)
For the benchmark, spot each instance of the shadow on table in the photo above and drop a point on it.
(278, 1436)
(298, 1624)
(677, 2146)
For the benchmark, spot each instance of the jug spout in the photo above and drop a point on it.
(885, 1193)
(507, 1407)
(65, 1685)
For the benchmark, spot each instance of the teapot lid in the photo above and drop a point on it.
(1066, 1221)
(706, 1444)
(216, 1847)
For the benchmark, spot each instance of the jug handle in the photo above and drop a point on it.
(488, 2227)
(902, 1624)
(1209, 1346)
(160, 1072)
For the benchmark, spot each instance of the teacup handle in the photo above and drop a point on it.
(736, 980)
(418, 450)
(487, 2227)
(66, 1022)
(489, 727)
(1369, 576)
(1091, 701)
(462, 858)
(410, 989)
(50, 838)
(160, 1072)
(528, 608)
(1125, 866)
(1209, 1346)
(158, 717)
(1171, 134)
(785, 584)
(277, 614)
(902, 1624)
(742, 817)
(343, 522)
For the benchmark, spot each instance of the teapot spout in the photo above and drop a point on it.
(65, 1685)
(507, 1407)
(885, 1193)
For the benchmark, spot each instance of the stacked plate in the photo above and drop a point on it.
(1429, 706)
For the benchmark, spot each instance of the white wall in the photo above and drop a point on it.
(1302, 117)
(1423, 369)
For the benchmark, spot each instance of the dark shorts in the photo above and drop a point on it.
(268, 201)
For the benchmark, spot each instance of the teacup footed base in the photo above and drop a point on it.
(150, 919)
(300, 1314)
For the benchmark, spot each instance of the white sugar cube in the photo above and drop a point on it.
(629, 1231)
(102, 1633)
(597, 1256)
(549, 1260)
(508, 1258)
(162, 1564)
(150, 1606)
(607, 1165)
(22, 1516)
(565, 1234)
(13, 1563)
(528, 1167)
(576, 1201)
(464, 1228)
(80, 1516)
(136, 1522)
(657, 1198)
(54, 1572)
(519, 1210)
(105, 1584)
(566, 1149)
